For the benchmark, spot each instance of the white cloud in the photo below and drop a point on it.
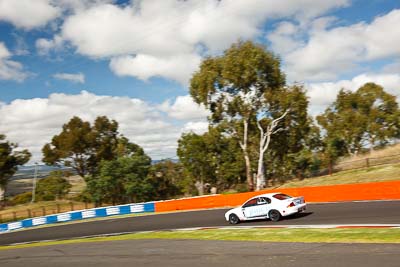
(44, 46)
(9, 69)
(177, 68)
(75, 78)
(334, 51)
(33, 122)
(28, 14)
(184, 108)
(199, 127)
(151, 38)
(323, 94)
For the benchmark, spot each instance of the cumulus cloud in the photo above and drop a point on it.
(177, 68)
(9, 69)
(28, 14)
(75, 78)
(151, 38)
(199, 127)
(323, 94)
(33, 122)
(331, 51)
(44, 46)
(184, 108)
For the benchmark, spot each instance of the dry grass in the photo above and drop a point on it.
(40, 209)
(78, 185)
(367, 175)
(389, 151)
(19, 186)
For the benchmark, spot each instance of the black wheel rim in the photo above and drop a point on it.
(233, 219)
(274, 215)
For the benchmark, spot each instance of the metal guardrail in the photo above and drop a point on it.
(79, 215)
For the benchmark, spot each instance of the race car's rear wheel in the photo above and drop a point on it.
(233, 219)
(274, 215)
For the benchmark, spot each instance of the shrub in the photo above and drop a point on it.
(22, 198)
(52, 188)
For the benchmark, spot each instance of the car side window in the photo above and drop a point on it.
(263, 200)
(250, 203)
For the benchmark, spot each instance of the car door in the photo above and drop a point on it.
(255, 207)
(250, 208)
(264, 206)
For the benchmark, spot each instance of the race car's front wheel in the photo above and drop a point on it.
(274, 215)
(233, 219)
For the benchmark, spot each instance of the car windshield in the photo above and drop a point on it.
(281, 196)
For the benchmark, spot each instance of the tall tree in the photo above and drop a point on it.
(82, 146)
(194, 155)
(73, 147)
(291, 150)
(233, 87)
(382, 115)
(368, 117)
(9, 160)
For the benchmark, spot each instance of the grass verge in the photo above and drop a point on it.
(353, 235)
(368, 175)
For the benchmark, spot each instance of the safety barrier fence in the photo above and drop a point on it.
(333, 193)
(46, 209)
(79, 215)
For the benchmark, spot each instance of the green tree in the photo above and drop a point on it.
(291, 151)
(368, 117)
(82, 146)
(9, 160)
(73, 147)
(194, 155)
(121, 180)
(166, 179)
(212, 158)
(234, 87)
(382, 115)
(53, 187)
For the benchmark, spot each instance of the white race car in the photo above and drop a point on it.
(273, 206)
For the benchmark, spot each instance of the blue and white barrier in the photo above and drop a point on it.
(79, 215)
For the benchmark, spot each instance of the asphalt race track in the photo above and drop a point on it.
(379, 212)
(193, 253)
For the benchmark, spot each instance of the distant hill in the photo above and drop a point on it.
(28, 171)
(161, 160)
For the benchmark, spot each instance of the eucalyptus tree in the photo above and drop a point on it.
(368, 117)
(83, 146)
(234, 87)
(212, 158)
(10, 158)
(382, 115)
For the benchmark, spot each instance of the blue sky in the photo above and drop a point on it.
(132, 60)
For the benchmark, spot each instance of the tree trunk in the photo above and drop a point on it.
(260, 173)
(200, 187)
(2, 193)
(372, 143)
(250, 183)
(264, 143)
(265, 139)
